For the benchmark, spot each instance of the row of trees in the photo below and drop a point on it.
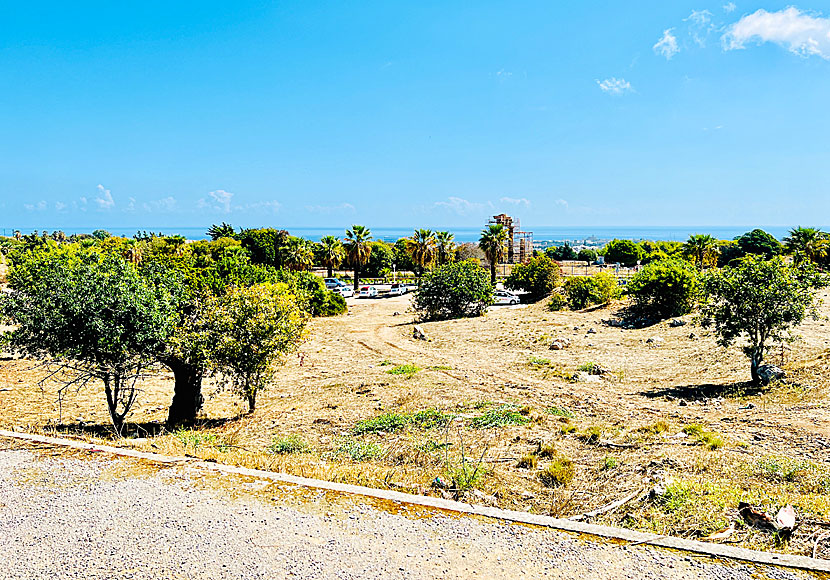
(705, 251)
(111, 309)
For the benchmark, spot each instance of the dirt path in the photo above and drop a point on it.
(64, 514)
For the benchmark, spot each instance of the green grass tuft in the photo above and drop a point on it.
(499, 417)
(287, 445)
(404, 370)
(560, 472)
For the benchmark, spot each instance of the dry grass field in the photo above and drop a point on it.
(485, 412)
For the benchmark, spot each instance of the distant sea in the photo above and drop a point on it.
(574, 234)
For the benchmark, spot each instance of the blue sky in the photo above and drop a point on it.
(413, 114)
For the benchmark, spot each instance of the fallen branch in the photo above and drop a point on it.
(608, 508)
(615, 445)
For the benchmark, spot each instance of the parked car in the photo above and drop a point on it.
(332, 283)
(368, 292)
(398, 290)
(504, 297)
(344, 291)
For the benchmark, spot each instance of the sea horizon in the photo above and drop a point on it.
(462, 233)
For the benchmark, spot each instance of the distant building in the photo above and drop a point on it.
(519, 244)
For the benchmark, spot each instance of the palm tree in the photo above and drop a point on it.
(297, 254)
(493, 243)
(702, 249)
(809, 244)
(331, 253)
(446, 247)
(421, 248)
(358, 249)
(223, 230)
(132, 252)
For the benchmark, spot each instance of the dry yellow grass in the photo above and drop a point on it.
(622, 434)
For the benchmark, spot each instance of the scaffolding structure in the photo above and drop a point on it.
(519, 244)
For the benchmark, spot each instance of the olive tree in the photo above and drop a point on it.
(454, 290)
(91, 314)
(254, 328)
(760, 300)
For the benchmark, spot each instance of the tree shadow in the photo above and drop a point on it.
(706, 391)
(134, 430)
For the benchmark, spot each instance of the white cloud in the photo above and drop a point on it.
(221, 201)
(667, 45)
(700, 25)
(104, 198)
(562, 203)
(130, 205)
(273, 206)
(60, 206)
(39, 206)
(516, 201)
(462, 206)
(166, 204)
(615, 86)
(343, 207)
(729, 8)
(796, 31)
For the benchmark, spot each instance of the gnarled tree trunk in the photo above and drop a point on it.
(187, 392)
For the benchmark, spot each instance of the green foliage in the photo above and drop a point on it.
(223, 230)
(297, 254)
(407, 370)
(380, 260)
(560, 253)
(391, 422)
(760, 299)
(701, 250)
(467, 476)
(493, 243)
(190, 438)
(664, 289)
(624, 252)
(609, 462)
(330, 253)
(587, 255)
(287, 445)
(422, 249)
(760, 243)
(557, 302)
(100, 234)
(401, 258)
(559, 412)
(444, 247)
(264, 245)
(311, 292)
(538, 277)
(455, 290)
(254, 328)
(728, 252)
(583, 291)
(91, 312)
(708, 439)
(358, 249)
(499, 417)
(558, 473)
(808, 244)
(359, 450)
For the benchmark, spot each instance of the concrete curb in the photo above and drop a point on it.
(632, 537)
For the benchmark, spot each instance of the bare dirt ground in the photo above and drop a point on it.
(602, 440)
(64, 514)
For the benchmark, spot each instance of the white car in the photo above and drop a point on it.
(368, 292)
(398, 290)
(332, 283)
(344, 291)
(501, 297)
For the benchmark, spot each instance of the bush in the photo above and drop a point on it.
(312, 293)
(559, 472)
(557, 302)
(456, 290)
(760, 243)
(587, 255)
(665, 289)
(582, 291)
(264, 245)
(565, 252)
(538, 277)
(625, 252)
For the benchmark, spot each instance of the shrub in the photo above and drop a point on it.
(391, 422)
(582, 291)
(587, 255)
(264, 245)
(359, 450)
(527, 461)
(557, 302)
(456, 290)
(565, 252)
(538, 277)
(499, 417)
(760, 243)
(287, 445)
(407, 370)
(559, 472)
(666, 288)
(625, 252)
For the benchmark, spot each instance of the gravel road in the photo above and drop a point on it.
(73, 515)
